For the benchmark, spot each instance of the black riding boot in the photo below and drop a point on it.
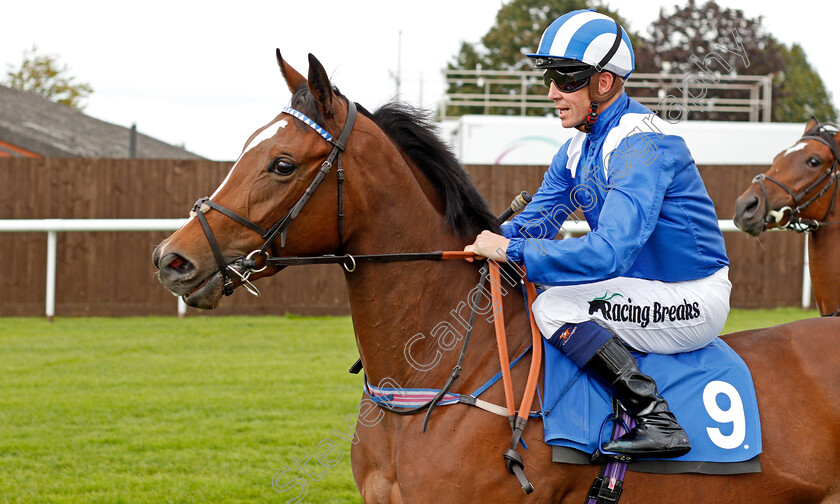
(657, 433)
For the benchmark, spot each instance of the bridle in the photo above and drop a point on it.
(823, 133)
(239, 270)
(243, 267)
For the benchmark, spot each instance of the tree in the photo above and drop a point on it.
(42, 74)
(696, 33)
(800, 90)
(519, 26)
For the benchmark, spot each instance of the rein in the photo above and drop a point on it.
(822, 133)
(518, 422)
(349, 262)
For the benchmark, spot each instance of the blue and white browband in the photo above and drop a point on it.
(309, 122)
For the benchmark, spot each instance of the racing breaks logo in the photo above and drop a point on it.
(618, 311)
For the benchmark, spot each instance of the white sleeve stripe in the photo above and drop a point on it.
(628, 125)
(573, 152)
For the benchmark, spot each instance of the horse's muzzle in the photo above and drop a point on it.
(749, 214)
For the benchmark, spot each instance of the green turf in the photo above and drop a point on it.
(196, 410)
(167, 410)
(741, 320)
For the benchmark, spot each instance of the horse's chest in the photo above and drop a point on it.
(395, 462)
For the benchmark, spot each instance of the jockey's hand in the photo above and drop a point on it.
(489, 245)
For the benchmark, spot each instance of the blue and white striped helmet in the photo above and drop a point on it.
(586, 36)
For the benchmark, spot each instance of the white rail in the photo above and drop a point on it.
(63, 225)
(492, 92)
(54, 226)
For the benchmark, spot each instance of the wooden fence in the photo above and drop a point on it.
(110, 273)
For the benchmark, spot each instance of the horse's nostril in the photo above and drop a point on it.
(180, 265)
(746, 207)
(752, 205)
(176, 266)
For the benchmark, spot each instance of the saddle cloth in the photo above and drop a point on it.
(709, 390)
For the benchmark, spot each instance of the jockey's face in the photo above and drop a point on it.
(572, 108)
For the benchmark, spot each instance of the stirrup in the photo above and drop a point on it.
(601, 456)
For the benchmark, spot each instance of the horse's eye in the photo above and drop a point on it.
(282, 167)
(814, 162)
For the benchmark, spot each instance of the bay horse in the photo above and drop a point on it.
(799, 192)
(397, 189)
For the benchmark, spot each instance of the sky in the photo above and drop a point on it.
(204, 75)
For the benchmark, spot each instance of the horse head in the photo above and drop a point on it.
(286, 195)
(260, 200)
(799, 189)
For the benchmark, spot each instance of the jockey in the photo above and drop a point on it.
(652, 274)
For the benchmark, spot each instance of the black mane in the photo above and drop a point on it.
(413, 130)
(467, 213)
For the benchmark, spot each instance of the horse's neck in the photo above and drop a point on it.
(410, 318)
(824, 265)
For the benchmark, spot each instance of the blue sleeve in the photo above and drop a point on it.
(545, 214)
(629, 214)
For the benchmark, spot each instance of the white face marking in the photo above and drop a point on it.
(264, 135)
(797, 147)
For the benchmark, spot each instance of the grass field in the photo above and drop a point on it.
(205, 409)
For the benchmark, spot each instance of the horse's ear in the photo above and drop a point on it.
(813, 123)
(319, 85)
(293, 78)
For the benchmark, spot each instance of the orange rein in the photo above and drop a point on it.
(513, 460)
(459, 254)
(501, 338)
(518, 420)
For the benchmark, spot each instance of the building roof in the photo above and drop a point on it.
(33, 125)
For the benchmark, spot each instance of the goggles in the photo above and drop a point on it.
(567, 82)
